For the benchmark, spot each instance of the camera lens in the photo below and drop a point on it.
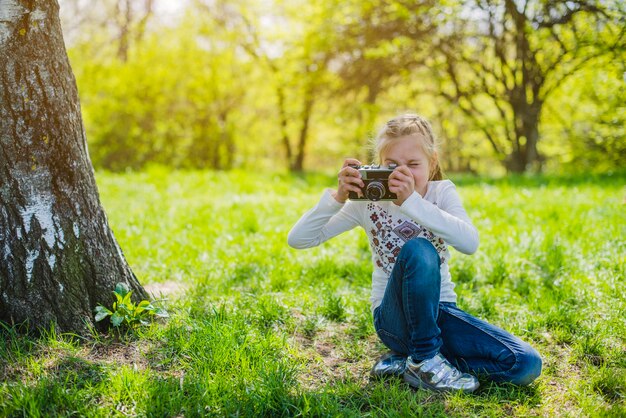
(375, 191)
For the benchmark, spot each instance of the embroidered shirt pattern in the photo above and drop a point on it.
(388, 235)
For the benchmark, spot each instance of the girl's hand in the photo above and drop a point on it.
(349, 180)
(401, 183)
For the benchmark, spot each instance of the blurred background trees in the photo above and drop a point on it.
(510, 86)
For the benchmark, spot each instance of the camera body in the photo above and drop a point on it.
(376, 183)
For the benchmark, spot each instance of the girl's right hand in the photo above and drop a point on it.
(349, 180)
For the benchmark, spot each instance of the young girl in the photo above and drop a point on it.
(435, 344)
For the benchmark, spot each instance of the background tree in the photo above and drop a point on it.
(502, 60)
(297, 85)
(586, 125)
(183, 107)
(122, 23)
(295, 64)
(378, 45)
(59, 256)
(131, 23)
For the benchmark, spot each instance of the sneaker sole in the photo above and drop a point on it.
(418, 383)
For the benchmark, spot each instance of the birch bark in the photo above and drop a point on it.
(58, 256)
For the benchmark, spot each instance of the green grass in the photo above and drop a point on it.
(259, 329)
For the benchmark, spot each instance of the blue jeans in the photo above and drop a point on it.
(412, 321)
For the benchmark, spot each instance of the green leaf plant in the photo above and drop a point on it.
(125, 313)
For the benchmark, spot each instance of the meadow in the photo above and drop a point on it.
(259, 329)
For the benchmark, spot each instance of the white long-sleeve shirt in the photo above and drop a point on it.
(439, 216)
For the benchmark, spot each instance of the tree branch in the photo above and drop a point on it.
(472, 111)
(544, 94)
(569, 15)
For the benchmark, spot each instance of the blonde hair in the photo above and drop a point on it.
(410, 124)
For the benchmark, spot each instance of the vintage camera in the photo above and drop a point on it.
(375, 179)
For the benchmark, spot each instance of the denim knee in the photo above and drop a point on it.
(420, 252)
(528, 366)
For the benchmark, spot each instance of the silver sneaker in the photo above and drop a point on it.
(439, 375)
(389, 365)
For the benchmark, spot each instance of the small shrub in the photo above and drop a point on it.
(126, 312)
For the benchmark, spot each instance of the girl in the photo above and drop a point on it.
(435, 344)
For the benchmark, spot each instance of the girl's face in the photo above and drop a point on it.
(408, 151)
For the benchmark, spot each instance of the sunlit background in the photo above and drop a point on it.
(524, 86)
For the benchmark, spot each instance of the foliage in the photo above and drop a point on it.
(127, 313)
(587, 125)
(503, 60)
(238, 84)
(251, 334)
(173, 102)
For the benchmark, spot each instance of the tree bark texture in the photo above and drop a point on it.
(59, 258)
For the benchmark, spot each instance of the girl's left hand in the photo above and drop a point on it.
(401, 183)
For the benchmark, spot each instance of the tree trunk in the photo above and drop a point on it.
(297, 165)
(282, 114)
(59, 258)
(531, 132)
(525, 155)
